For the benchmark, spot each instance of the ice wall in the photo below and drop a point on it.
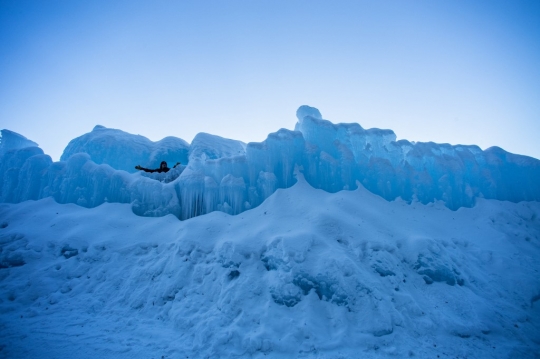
(219, 174)
(123, 151)
(13, 141)
(344, 153)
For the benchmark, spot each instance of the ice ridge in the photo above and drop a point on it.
(230, 176)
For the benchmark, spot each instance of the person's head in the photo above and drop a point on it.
(163, 165)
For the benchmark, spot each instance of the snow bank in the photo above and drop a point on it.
(225, 175)
(307, 274)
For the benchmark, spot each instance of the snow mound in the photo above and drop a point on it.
(307, 274)
(226, 175)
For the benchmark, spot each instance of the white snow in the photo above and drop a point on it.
(306, 274)
(330, 241)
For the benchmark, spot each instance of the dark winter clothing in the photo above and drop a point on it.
(162, 168)
(158, 170)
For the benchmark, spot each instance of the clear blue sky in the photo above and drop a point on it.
(459, 72)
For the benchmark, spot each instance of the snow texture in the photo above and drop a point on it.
(226, 175)
(307, 274)
(292, 248)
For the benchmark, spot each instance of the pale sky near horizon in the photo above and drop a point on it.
(459, 72)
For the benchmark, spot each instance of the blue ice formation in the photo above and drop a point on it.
(120, 150)
(219, 174)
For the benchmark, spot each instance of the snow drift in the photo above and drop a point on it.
(307, 274)
(230, 176)
(322, 266)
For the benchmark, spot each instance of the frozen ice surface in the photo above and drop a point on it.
(322, 265)
(123, 151)
(419, 171)
(13, 141)
(219, 174)
(304, 111)
(209, 147)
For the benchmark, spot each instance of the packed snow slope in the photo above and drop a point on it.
(225, 175)
(307, 274)
(286, 248)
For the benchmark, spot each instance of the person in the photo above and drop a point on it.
(162, 168)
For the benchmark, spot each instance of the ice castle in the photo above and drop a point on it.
(219, 174)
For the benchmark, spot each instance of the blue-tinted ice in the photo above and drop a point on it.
(230, 176)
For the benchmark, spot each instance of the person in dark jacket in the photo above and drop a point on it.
(162, 168)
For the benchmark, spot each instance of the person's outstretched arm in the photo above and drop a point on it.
(144, 169)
